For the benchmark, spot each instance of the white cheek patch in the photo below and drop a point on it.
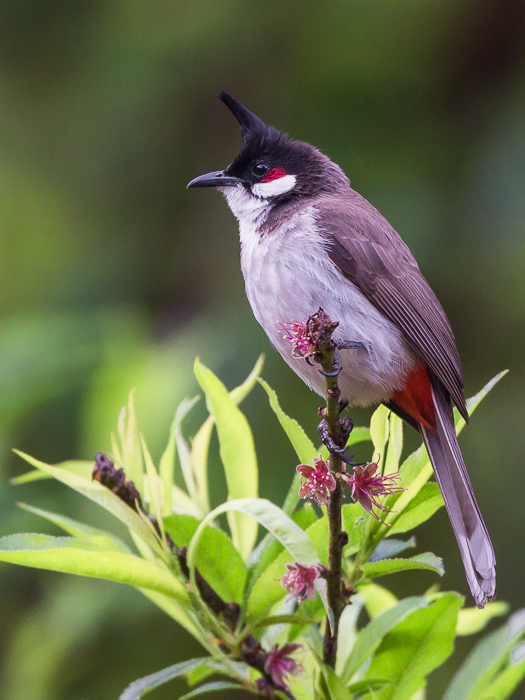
(274, 187)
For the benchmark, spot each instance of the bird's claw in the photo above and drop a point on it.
(340, 345)
(332, 446)
(347, 344)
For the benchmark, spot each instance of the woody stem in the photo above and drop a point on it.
(327, 358)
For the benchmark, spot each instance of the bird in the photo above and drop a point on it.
(309, 240)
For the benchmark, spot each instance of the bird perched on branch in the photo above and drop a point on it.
(309, 240)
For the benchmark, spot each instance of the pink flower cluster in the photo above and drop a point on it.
(320, 481)
(301, 580)
(367, 487)
(297, 334)
(279, 664)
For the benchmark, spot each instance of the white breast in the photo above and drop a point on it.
(288, 276)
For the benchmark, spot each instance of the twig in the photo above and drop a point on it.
(321, 328)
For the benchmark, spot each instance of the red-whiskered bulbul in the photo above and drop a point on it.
(309, 240)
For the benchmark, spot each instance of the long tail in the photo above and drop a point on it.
(451, 474)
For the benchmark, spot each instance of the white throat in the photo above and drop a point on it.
(246, 207)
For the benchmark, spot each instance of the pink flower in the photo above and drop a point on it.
(301, 579)
(297, 334)
(320, 482)
(367, 487)
(278, 664)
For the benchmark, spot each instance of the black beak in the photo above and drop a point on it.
(217, 179)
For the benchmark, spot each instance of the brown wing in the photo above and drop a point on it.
(372, 255)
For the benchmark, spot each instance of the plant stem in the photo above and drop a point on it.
(326, 356)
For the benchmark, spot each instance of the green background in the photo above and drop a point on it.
(114, 276)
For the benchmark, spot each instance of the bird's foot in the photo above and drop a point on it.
(340, 345)
(342, 405)
(332, 446)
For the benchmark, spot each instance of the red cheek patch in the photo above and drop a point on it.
(273, 174)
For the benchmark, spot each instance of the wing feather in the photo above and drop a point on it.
(372, 255)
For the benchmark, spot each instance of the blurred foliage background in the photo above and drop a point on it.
(114, 276)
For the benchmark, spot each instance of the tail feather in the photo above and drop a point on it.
(451, 474)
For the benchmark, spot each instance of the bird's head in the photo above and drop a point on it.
(272, 168)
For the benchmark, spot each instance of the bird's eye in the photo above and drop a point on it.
(260, 169)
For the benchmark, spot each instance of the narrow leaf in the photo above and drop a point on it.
(282, 527)
(237, 453)
(414, 647)
(167, 461)
(201, 441)
(73, 556)
(80, 530)
(144, 685)
(211, 688)
(379, 425)
(371, 636)
(389, 566)
(217, 559)
(303, 446)
(154, 486)
(131, 452)
(485, 660)
(422, 507)
(395, 444)
(79, 467)
(473, 620)
(388, 549)
(104, 497)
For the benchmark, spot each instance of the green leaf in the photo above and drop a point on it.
(217, 559)
(273, 519)
(295, 541)
(361, 687)
(379, 425)
(347, 633)
(334, 685)
(414, 647)
(303, 446)
(388, 549)
(105, 498)
(473, 620)
(485, 660)
(354, 519)
(79, 467)
(395, 444)
(180, 612)
(130, 439)
(80, 530)
(201, 441)
(237, 453)
(211, 688)
(422, 507)
(73, 556)
(505, 682)
(140, 687)
(390, 566)
(155, 487)
(359, 434)
(370, 637)
(291, 619)
(475, 400)
(266, 590)
(167, 461)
